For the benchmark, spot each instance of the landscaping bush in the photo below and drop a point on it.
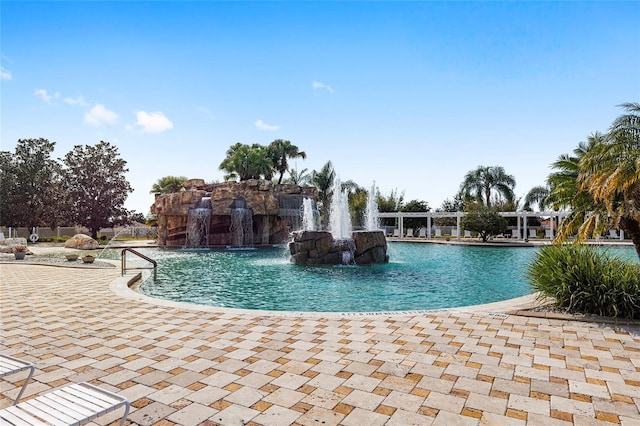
(587, 280)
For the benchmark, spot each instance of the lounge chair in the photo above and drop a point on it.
(467, 234)
(422, 233)
(515, 234)
(396, 232)
(548, 233)
(613, 234)
(454, 232)
(533, 233)
(75, 404)
(10, 365)
(409, 233)
(438, 232)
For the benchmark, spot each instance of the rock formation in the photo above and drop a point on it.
(319, 248)
(274, 210)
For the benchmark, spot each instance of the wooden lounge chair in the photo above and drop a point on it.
(75, 404)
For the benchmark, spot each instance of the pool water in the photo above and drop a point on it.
(418, 277)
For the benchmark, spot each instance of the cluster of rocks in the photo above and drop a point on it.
(319, 248)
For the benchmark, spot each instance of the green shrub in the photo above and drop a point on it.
(587, 280)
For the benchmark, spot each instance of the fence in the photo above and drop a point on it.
(69, 231)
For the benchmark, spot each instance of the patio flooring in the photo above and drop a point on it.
(182, 365)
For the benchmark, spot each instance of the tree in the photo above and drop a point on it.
(391, 202)
(565, 193)
(415, 206)
(247, 162)
(537, 195)
(451, 206)
(30, 187)
(298, 177)
(358, 205)
(485, 222)
(610, 172)
(478, 184)
(323, 180)
(279, 151)
(168, 184)
(96, 186)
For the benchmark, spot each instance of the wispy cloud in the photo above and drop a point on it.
(316, 85)
(45, 96)
(99, 115)
(206, 111)
(153, 122)
(4, 74)
(264, 126)
(76, 101)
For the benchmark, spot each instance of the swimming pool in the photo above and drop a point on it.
(418, 277)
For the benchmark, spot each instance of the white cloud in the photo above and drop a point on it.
(76, 101)
(99, 115)
(42, 94)
(4, 74)
(153, 122)
(264, 126)
(316, 85)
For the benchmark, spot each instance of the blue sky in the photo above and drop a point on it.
(411, 95)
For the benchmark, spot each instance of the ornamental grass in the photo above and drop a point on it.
(588, 280)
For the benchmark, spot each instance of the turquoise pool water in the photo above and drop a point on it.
(418, 277)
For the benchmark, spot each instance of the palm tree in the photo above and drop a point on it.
(479, 183)
(168, 184)
(323, 180)
(298, 177)
(247, 162)
(537, 195)
(611, 172)
(279, 151)
(586, 216)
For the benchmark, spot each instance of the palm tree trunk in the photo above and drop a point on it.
(631, 227)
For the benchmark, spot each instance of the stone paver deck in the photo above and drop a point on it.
(191, 366)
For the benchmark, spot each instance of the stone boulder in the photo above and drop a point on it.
(8, 244)
(81, 242)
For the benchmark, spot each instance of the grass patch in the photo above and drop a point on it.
(588, 280)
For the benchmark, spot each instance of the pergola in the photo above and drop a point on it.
(554, 218)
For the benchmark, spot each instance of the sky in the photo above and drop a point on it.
(409, 95)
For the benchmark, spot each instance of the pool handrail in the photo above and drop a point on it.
(123, 260)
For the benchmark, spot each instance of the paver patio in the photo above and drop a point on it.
(190, 366)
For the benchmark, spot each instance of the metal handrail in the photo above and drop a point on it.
(123, 260)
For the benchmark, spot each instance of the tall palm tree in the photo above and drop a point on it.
(279, 151)
(611, 172)
(479, 183)
(323, 180)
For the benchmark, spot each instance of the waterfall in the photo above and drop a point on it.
(198, 222)
(241, 224)
(371, 216)
(339, 218)
(308, 215)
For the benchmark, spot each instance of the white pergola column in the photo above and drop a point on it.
(458, 216)
(428, 226)
(400, 226)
